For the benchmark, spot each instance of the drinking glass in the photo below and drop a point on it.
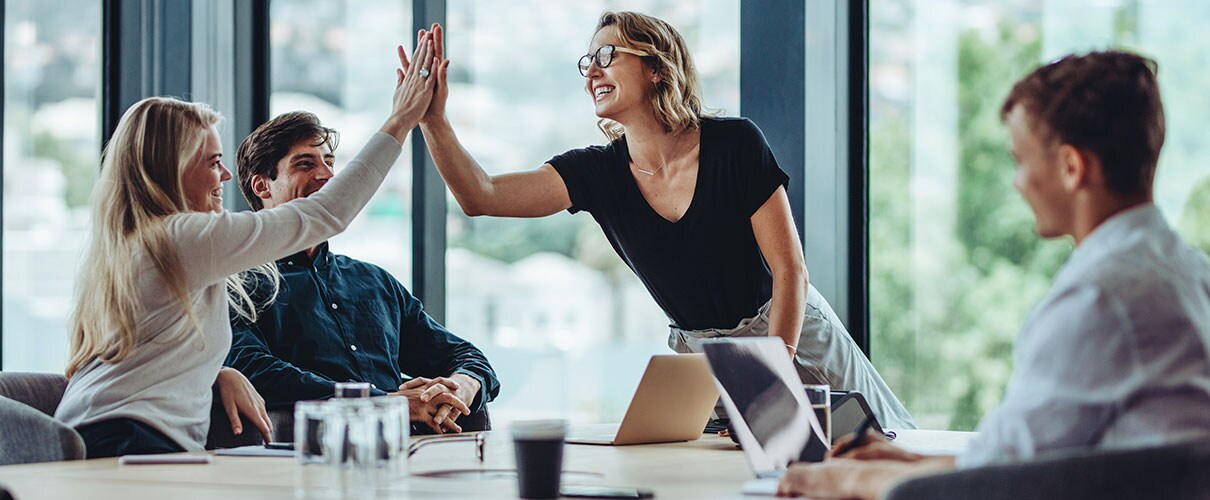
(820, 398)
(352, 389)
(350, 447)
(394, 427)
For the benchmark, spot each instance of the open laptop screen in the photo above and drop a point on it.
(764, 398)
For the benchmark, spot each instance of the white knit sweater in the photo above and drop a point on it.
(166, 380)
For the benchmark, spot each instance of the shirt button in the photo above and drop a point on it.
(289, 263)
(353, 347)
(334, 306)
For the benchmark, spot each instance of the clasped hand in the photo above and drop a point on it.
(437, 402)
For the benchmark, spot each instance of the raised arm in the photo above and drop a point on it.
(536, 193)
(216, 245)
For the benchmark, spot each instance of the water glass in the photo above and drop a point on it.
(393, 433)
(352, 389)
(314, 477)
(350, 447)
(820, 398)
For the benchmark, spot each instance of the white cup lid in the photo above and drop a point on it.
(539, 429)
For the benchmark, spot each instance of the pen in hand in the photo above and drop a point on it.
(858, 437)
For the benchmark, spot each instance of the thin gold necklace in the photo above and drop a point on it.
(650, 172)
(662, 163)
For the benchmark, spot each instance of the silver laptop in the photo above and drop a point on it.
(769, 412)
(672, 403)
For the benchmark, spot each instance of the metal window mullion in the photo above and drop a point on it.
(252, 81)
(772, 46)
(2, 72)
(834, 203)
(858, 141)
(428, 198)
(825, 241)
(146, 52)
(119, 62)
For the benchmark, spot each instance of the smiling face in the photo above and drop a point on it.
(1039, 176)
(203, 179)
(305, 169)
(625, 87)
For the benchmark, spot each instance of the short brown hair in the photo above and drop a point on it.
(677, 98)
(269, 143)
(1106, 103)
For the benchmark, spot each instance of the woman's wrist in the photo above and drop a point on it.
(398, 127)
(429, 122)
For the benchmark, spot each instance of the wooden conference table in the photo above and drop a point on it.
(710, 467)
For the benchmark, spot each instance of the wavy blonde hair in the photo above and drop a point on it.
(677, 97)
(140, 186)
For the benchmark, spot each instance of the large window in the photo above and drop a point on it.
(566, 324)
(51, 157)
(955, 265)
(336, 59)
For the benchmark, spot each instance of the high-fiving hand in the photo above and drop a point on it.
(440, 72)
(414, 87)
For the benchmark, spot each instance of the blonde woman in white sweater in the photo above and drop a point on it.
(150, 327)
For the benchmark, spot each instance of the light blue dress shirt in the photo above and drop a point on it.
(1116, 356)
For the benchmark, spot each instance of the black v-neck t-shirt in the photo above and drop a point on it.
(705, 270)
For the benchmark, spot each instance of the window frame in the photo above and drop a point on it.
(3, 70)
(428, 204)
(836, 141)
(815, 57)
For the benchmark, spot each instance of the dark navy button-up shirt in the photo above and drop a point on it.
(338, 319)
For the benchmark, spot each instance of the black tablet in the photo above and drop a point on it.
(849, 409)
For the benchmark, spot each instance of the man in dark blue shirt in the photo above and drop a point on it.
(337, 319)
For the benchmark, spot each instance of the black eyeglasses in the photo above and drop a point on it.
(478, 438)
(604, 56)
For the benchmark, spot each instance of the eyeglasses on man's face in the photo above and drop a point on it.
(604, 57)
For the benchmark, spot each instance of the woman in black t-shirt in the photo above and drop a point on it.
(695, 205)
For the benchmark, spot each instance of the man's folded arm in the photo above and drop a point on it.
(279, 382)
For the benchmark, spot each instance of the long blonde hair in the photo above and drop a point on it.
(140, 186)
(677, 99)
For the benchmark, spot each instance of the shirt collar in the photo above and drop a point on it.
(1111, 234)
(1122, 223)
(322, 255)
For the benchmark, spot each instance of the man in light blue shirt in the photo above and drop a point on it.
(1118, 353)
